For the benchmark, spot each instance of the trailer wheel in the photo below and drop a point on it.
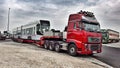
(57, 47)
(91, 54)
(51, 46)
(72, 50)
(46, 44)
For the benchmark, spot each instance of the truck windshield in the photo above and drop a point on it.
(92, 27)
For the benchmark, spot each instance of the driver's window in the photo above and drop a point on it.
(75, 26)
(80, 24)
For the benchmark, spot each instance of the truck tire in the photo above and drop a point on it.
(57, 47)
(51, 46)
(72, 50)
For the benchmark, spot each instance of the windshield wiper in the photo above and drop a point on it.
(90, 30)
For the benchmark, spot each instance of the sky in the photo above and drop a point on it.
(57, 12)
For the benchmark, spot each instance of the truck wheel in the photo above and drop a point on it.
(57, 47)
(72, 50)
(51, 47)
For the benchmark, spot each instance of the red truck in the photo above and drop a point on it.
(81, 35)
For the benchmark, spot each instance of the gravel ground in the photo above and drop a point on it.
(18, 55)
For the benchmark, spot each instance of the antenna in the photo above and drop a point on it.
(8, 20)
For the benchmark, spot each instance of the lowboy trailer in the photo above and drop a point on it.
(81, 35)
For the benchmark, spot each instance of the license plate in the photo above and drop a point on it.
(94, 51)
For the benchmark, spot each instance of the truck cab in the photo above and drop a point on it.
(81, 36)
(109, 36)
(105, 36)
(83, 31)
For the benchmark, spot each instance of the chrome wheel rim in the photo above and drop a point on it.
(72, 50)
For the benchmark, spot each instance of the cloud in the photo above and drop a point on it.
(57, 11)
(108, 13)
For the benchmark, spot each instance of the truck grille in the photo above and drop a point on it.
(94, 47)
(93, 40)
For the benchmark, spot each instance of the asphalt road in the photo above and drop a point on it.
(110, 55)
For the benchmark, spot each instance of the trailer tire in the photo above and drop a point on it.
(46, 44)
(57, 47)
(91, 54)
(51, 47)
(72, 50)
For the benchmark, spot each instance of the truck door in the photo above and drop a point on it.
(74, 32)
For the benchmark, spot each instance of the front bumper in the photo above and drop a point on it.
(90, 49)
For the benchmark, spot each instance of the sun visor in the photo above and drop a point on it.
(89, 19)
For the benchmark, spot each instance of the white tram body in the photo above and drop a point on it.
(31, 31)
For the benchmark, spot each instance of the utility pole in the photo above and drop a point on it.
(8, 20)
